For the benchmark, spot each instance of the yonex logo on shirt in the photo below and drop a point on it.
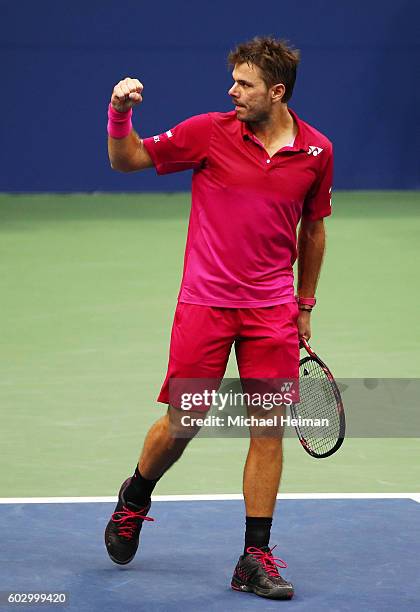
(169, 134)
(156, 138)
(314, 150)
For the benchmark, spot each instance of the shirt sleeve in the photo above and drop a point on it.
(183, 147)
(318, 202)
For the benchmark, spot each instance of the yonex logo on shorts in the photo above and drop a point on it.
(286, 386)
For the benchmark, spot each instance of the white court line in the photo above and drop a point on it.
(216, 497)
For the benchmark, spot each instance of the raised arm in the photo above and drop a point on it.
(125, 147)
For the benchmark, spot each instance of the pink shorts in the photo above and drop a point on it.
(266, 343)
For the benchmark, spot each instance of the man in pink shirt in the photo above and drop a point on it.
(258, 171)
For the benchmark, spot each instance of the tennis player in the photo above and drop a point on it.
(257, 171)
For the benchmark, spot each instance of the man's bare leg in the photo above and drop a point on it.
(256, 569)
(161, 449)
(262, 474)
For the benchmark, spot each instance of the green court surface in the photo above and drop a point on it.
(88, 289)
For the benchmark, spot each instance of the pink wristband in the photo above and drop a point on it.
(119, 124)
(306, 301)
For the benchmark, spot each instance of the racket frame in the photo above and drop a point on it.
(312, 356)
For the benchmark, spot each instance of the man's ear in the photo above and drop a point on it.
(277, 92)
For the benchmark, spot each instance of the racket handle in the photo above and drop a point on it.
(307, 347)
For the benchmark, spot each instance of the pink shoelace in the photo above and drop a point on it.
(128, 521)
(267, 560)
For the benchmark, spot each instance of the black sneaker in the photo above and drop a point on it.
(123, 530)
(257, 573)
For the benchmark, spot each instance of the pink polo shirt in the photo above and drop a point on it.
(246, 206)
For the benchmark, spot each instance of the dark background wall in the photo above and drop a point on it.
(357, 82)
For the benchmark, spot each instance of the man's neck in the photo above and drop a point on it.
(279, 128)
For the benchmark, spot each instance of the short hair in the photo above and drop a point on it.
(275, 58)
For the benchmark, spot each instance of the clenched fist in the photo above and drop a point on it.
(127, 93)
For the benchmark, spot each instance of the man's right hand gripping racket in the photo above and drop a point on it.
(319, 398)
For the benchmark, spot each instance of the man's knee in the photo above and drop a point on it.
(179, 426)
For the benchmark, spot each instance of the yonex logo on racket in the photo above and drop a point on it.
(314, 150)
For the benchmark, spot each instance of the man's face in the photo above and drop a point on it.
(250, 95)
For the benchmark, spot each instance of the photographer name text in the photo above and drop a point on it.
(242, 421)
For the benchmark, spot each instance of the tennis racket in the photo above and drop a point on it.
(319, 400)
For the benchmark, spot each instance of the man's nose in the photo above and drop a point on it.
(232, 90)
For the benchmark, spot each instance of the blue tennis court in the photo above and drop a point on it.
(343, 554)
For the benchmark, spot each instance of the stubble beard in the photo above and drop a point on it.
(255, 117)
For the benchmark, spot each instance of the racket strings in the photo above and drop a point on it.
(317, 400)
